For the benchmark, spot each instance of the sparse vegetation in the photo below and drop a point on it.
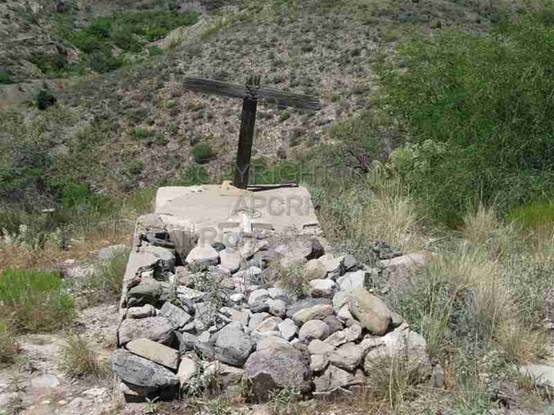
(34, 301)
(105, 283)
(202, 153)
(79, 360)
(8, 344)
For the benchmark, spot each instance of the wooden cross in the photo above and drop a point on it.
(251, 93)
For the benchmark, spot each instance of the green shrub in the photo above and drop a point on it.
(202, 153)
(535, 215)
(139, 133)
(35, 301)
(45, 99)
(133, 167)
(5, 78)
(479, 111)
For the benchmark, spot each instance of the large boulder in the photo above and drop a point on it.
(277, 365)
(157, 329)
(144, 375)
(233, 345)
(372, 313)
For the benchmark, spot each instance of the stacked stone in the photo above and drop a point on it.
(221, 312)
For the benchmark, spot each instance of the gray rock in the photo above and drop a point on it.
(314, 270)
(177, 316)
(258, 296)
(332, 379)
(401, 269)
(288, 329)
(137, 371)
(277, 307)
(233, 346)
(259, 307)
(318, 362)
(322, 288)
(313, 329)
(349, 334)
(332, 265)
(270, 342)
(237, 298)
(155, 352)
(256, 319)
(203, 255)
(401, 344)
(187, 371)
(270, 324)
(349, 263)
(334, 324)
(319, 347)
(230, 259)
(157, 329)
(146, 310)
(149, 291)
(188, 294)
(352, 280)
(316, 312)
(372, 313)
(278, 294)
(340, 299)
(165, 257)
(277, 366)
(541, 372)
(348, 356)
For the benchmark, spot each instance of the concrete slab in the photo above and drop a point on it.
(222, 208)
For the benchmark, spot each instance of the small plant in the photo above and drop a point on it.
(139, 133)
(285, 401)
(292, 280)
(5, 78)
(45, 99)
(79, 360)
(202, 153)
(8, 345)
(35, 301)
(133, 167)
(106, 282)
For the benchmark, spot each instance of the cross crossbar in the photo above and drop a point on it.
(251, 94)
(265, 95)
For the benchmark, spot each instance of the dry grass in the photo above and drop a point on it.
(79, 360)
(9, 347)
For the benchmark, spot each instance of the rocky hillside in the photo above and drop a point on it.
(137, 125)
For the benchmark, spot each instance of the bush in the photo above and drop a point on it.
(35, 301)
(79, 360)
(5, 78)
(480, 113)
(202, 153)
(45, 99)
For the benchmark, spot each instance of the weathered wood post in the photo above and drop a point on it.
(251, 94)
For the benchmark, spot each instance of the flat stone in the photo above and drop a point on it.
(233, 346)
(177, 316)
(271, 342)
(306, 303)
(352, 280)
(322, 288)
(348, 356)
(138, 371)
(146, 310)
(314, 270)
(313, 329)
(401, 269)
(187, 371)
(203, 255)
(316, 312)
(148, 291)
(349, 334)
(230, 259)
(155, 352)
(288, 329)
(372, 313)
(542, 373)
(157, 329)
(269, 324)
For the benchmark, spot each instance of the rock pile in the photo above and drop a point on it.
(220, 310)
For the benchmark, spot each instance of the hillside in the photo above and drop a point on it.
(137, 124)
